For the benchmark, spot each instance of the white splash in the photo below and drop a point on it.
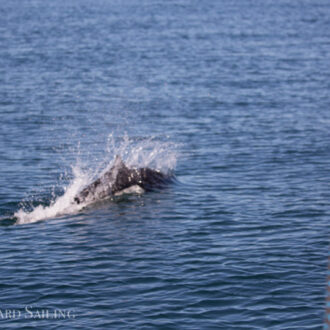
(61, 205)
(143, 153)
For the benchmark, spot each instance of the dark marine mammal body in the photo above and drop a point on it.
(121, 179)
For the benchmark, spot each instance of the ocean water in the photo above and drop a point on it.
(233, 96)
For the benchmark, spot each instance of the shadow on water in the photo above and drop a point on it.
(8, 221)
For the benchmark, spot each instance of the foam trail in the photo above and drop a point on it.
(141, 153)
(60, 206)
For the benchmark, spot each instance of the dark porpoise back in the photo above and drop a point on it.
(119, 178)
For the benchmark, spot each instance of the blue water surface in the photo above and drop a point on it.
(240, 90)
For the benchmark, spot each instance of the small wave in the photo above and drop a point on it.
(141, 153)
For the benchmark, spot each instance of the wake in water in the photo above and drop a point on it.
(160, 156)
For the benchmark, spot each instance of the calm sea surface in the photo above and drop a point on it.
(236, 93)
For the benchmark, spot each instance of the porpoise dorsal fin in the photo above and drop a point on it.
(118, 163)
